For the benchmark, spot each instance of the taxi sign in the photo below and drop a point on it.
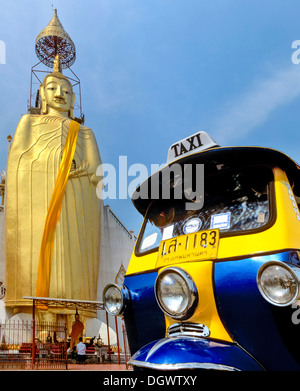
(195, 143)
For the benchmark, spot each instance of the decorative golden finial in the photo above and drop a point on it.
(53, 40)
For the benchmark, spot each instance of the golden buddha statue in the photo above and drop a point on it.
(32, 168)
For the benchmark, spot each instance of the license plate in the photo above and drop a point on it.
(201, 245)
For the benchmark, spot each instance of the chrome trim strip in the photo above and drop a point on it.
(187, 334)
(198, 330)
(189, 365)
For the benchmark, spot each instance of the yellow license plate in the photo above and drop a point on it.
(201, 245)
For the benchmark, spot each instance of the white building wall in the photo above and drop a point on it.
(116, 246)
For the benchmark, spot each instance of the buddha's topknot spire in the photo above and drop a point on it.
(57, 64)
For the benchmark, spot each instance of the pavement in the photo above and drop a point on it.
(98, 367)
(71, 367)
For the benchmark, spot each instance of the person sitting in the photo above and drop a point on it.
(80, 348)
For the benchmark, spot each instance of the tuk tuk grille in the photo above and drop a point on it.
(188, 329)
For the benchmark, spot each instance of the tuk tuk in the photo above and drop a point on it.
(213, 281)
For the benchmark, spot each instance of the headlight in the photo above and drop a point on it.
(115, 299)
(176, 293)
(278, 283)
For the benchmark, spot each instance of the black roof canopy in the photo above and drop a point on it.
(213, 159)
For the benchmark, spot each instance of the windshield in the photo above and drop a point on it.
(233, 202)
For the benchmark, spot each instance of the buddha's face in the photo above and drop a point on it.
(58, 95)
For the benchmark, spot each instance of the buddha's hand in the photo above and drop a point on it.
(83, 168)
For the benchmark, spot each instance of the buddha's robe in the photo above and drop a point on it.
(32, 169)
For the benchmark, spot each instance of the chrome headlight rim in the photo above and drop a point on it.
(192, 298)
(295, 272)
(124, 298)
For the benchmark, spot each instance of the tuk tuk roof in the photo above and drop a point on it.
(230, 157)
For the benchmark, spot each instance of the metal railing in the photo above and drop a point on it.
(44, 345)
(37, 345)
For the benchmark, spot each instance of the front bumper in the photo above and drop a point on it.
(183, 352)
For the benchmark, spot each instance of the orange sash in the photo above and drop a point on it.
(54, 208)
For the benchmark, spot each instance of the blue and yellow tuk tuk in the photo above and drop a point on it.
(213, 281)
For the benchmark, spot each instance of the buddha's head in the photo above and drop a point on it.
(57, 96)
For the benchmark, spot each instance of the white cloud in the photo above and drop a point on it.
(253, 107)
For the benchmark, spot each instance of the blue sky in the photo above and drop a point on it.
(155, 71)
